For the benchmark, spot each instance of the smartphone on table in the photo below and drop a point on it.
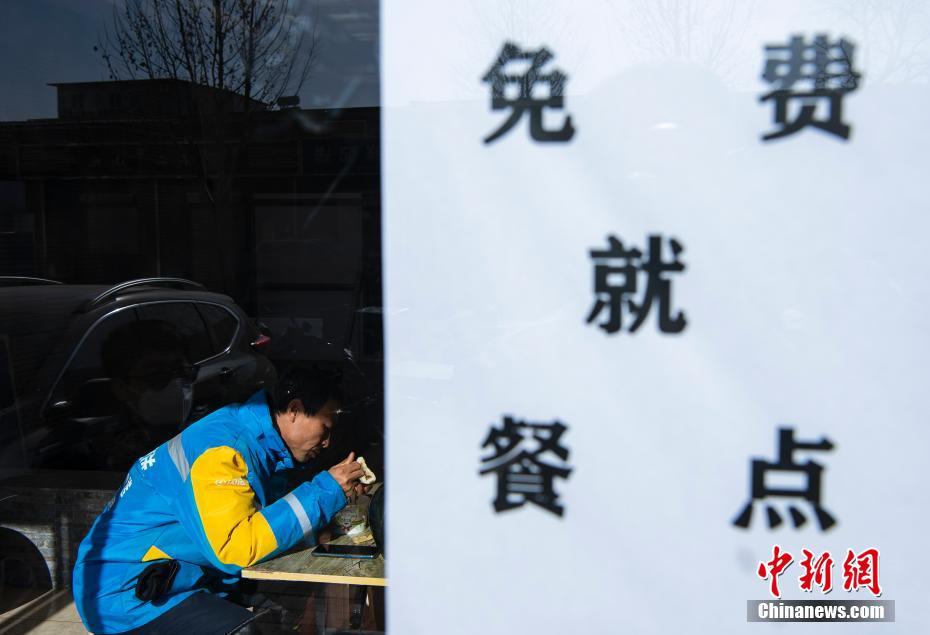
(345, 551)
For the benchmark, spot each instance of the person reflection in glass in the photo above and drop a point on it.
(152, 380)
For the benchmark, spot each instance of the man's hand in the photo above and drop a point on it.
(347, 473)
(358, 490)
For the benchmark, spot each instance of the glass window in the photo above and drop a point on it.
(87, 362)
(87, 423)
(222, 324)
(185, 318)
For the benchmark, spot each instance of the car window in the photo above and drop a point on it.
(185, 318)
(222, 324)
(87, 362)
(100, 419)
(83, 433)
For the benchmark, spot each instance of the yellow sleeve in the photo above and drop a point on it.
(228, 511)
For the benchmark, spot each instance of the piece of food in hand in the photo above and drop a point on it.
(369, 477)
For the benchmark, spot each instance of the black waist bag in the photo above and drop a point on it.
(156, 579)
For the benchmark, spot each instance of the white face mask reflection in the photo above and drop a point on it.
(166, 406)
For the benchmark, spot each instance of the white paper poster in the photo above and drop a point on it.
(656, 294)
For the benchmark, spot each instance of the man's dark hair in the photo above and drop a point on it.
(128, 343)
(313, 386)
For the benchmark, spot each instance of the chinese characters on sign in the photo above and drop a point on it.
(530, 91)
(824, 70)
(520, 459)
(617, 273)
(812, 472)
(860, 571)
(807, 78)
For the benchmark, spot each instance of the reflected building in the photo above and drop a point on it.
(278, 208)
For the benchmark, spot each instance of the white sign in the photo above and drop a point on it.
(777, 283)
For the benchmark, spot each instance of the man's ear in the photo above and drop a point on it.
(295, 407)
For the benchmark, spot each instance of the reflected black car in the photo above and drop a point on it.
(59, 406)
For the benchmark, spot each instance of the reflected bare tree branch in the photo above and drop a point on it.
(693, 31)
(261, 49)
(236, 58)
(894, 36)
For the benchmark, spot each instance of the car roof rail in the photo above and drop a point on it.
(178, 283)
(24, 281)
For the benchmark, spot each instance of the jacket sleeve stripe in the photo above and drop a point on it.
(301, 513)
(178, 457)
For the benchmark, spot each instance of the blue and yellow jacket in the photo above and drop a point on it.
(211, 498)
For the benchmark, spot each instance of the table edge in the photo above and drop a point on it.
(254, 574)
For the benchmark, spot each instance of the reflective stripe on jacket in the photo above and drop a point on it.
(211, 498)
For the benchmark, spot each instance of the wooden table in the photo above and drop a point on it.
(302, 566)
